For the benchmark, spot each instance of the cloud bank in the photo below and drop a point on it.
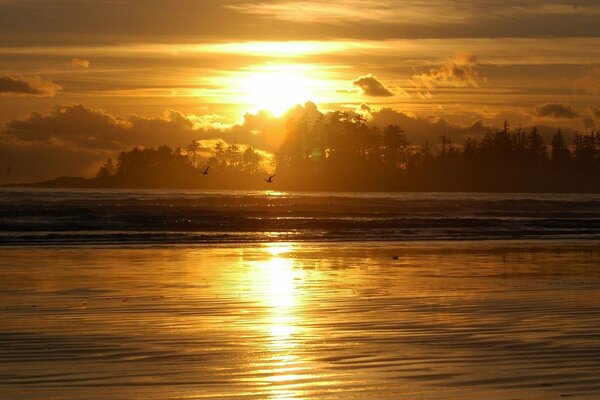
(33, 86)
(75, 139)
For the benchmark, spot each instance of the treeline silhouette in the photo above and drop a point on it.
(341, 151)
(167, 167)
(345, 151)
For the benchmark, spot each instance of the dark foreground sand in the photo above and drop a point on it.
(446, 320)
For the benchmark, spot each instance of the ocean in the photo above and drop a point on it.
(35, 216)
(149, 294)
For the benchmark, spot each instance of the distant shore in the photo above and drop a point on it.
(280, 183)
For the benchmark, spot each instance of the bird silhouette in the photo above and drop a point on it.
(270, 180)
(205, 172)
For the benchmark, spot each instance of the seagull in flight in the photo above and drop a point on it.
(270, 180)
(205, 172)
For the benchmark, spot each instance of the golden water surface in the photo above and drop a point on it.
(434, 320)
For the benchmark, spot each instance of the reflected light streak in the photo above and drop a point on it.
(282, 297)
(276, 249)
(275, 193)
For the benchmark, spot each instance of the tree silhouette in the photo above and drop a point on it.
(341, 151)
(107, 169)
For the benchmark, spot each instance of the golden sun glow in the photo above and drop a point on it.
(276, 91)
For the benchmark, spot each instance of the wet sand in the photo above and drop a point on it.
(445, 320)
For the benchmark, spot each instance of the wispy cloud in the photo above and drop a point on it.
(351, 11)
(79, 63)
(447, 13)
(457, 72)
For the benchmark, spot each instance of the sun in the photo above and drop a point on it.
(276, 90)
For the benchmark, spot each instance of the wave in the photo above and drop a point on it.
(144, 216)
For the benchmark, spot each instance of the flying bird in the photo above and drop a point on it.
(205, 172)
(270, 180)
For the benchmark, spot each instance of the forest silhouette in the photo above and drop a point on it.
(342, 152)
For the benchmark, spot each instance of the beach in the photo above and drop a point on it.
(493, 319)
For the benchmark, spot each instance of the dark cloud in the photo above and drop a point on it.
(83, 127)
(35, 86)
(421, 129)
(555, 111)
(70, 126)
(370, 86)
(457, 72)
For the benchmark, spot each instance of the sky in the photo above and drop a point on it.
(81, 80)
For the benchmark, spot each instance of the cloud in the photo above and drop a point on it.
(456, 72)
(79, 63)
(370, 86)
(364, 110)
(421, 129)
(398, 12)
(74, 139)
(555, 111)
(34, 86)
(595, 111)
(318, 11)
(430, 128)
(70, 22)
(70, 126)
(83, 127)
(589, 83)
(588, 123)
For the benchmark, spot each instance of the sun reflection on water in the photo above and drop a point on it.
(275, 193)
(277, 249)
(282, 296)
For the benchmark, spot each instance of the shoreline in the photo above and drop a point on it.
(417, 243)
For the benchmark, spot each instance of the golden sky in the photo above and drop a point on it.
(91, 77)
